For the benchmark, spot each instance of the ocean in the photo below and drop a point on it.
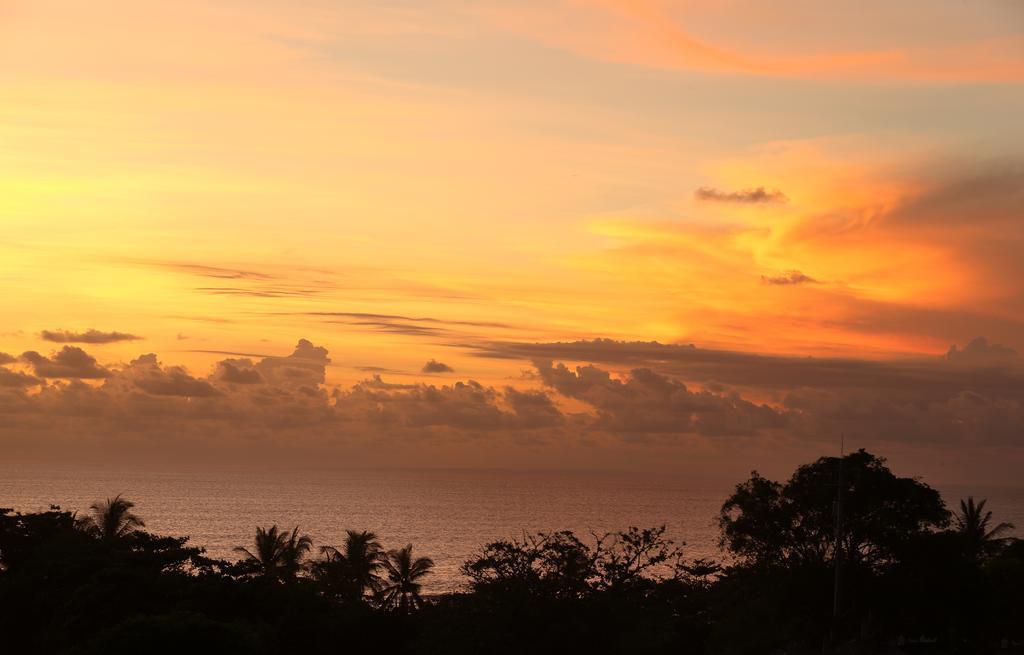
(448, 515)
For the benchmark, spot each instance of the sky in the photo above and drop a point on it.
(694, 237)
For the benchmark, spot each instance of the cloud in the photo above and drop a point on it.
(7, 359)
(790, 277)
(980, 351)
(238, 371)
(434, 366)
(374, 369)
(412, 319)
(772, 373)
(464, 405)
(69, 362)
(279, 291)
(148, 374)
(760, 195)
(89, 336)
(624, 394)
(417, 326)
(17, 379)
(646, 402)
(306, 366)
(393, 327)
(203, 270)
(974, 396)
(277, 400)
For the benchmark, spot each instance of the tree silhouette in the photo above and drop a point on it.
(353, 571)
(111, 520)
(278, 555)
(401, 589)
(768, 523)
(972, 522)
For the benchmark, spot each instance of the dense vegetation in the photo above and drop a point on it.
(905, 567)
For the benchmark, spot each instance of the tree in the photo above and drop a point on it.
(278, 555)
(767, 523)
(401, 590)
(624, 559)
(112, 520)
(556, 565)
(972, 522)
(352, 572)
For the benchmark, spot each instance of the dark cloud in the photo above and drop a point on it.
(974, 396)
(89, 336)
(789, 277)
(770, 372)
(980, 351)
(17, 379)
(69, 362)
(760, 195)
(434, 366)
(238, 371)
(7, 359)
(641, 393)
(146, 398)
(646, 402)
(306, 366)
(463, 405)
(148, 374)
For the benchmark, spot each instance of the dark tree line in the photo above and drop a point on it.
(810, 565)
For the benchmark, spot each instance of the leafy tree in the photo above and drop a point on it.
(767, 523)
(354, 571)
(401, 589)
(553, 564)
(972, 522)
(560, 565)
(111, 520)
(278, 555)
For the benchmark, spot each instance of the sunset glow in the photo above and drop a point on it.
(387, 184)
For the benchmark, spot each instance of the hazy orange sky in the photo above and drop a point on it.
(822, 198)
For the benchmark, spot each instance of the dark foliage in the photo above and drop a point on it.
(104, 585)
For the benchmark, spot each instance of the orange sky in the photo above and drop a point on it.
(407, 181)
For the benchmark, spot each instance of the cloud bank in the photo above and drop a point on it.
(636, 394)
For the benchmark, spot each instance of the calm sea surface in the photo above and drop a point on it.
(446, 515)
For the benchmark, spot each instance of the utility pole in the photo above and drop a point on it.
(837, 589)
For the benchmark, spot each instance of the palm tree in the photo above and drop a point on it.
(401, 590)
(278, 555)
(112, 520)
(353, 571)
(973, 523)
